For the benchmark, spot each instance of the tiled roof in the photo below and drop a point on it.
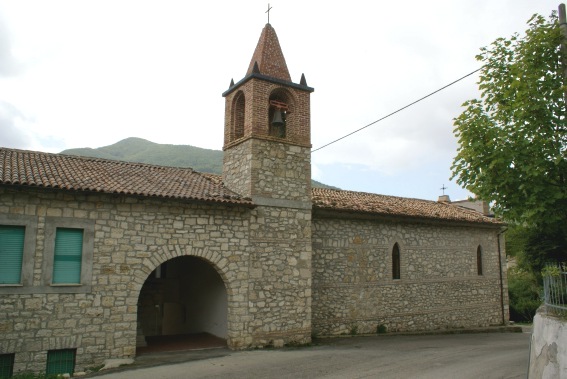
(74, 173)
(30, 168)
(361, 202)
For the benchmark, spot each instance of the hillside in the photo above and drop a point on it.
(140, 150)
(143, 151)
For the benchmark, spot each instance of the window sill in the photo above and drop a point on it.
(11, 285)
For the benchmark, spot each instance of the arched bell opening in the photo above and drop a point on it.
(182, 305)
(237, 116)
(280, 109)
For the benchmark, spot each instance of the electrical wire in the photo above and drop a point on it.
(399, 110)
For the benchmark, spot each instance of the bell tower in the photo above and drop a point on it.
(267, 141)
(267, 157)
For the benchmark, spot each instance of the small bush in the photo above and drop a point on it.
(524, 294)
(354, 330)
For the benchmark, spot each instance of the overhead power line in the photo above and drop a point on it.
(399, 110)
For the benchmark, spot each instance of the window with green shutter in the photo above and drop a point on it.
(11, 253)
(6, 365)
(68, 256)
(61, 361)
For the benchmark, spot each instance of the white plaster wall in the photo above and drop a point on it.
(206, 300)
(548, 352)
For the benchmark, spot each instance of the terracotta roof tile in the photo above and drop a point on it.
(30, 168)
(74, 173)
(361, 202)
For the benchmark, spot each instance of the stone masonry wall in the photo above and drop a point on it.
(280, 273)
(353, 289)
(132, 236)
(277, 171)
(237, 168)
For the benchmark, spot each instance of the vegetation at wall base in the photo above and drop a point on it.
(525, 295)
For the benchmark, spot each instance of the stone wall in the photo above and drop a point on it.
(278, 171)
(269, 258)
(280, 273)
(548, 348)
(267, 278)
(353, 288)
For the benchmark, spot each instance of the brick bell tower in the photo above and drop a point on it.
(267, 137)
(267, 157)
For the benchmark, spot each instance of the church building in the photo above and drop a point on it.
(97, 257)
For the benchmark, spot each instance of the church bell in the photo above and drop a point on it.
(278, 119)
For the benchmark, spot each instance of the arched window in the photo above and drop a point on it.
(238, 115)
(396, 261)
(479, 260)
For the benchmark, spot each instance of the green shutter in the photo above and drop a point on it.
(6, 365)
(68, 255)
(11, 253)
(60, 362)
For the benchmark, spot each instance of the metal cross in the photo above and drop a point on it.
(443, 188)
(268, 12)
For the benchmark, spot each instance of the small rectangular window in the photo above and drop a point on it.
(68, 256)
(61, 361)
(6, 365)
(11, 253)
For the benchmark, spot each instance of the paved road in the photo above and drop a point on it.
(458, 356)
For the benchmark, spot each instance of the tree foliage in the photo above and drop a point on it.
(533, 246)
(512, 141)
(524, 295)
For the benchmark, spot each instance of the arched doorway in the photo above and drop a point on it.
(182, 305)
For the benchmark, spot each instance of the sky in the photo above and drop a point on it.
(81, 73)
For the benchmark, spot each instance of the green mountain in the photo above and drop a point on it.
(143, 151)
(140, 150)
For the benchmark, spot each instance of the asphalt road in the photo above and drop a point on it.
(458, 356)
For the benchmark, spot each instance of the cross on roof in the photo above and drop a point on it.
(268, 12)
(443, 188)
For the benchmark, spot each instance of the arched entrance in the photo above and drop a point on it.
(182, 305)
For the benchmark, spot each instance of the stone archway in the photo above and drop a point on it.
(182, 304)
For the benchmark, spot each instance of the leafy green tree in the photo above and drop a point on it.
(513, 140)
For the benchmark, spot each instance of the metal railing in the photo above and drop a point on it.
(555, 288)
